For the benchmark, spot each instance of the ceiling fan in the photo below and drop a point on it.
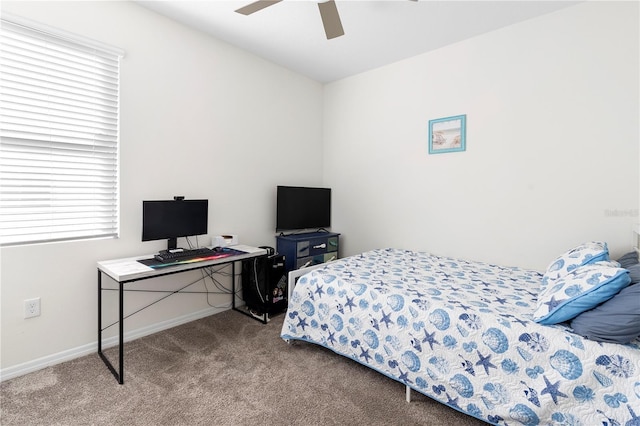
(328, 12)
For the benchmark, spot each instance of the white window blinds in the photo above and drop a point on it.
(59, 111)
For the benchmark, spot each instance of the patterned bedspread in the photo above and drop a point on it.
(462, 332)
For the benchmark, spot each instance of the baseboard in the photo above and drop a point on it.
(80, 351)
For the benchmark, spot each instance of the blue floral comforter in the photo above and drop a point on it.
(461, 332)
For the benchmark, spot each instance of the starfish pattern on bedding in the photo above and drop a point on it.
(552, 390)
(404, 376)
(430, 338)
(349, 304)
(452, 402)
(364, 353)
(386, 319)
(521, 322)
(553, 303)
(302, 322)
(331, 338)
(485, 361)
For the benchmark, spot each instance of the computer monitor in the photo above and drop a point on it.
(171, 219)
(300, 208)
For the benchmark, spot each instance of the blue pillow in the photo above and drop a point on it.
(617, 320)
(583, 254)
(629, 259)
(634, 273)
(631, 263)
(582, 289)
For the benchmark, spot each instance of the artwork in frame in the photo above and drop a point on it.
(447, 134)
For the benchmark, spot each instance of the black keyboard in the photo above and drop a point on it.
(176, 256)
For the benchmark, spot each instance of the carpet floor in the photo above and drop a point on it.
(226, 369)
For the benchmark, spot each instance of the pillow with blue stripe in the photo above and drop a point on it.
(582, 289)
(583, 254)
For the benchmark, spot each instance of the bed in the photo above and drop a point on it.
(471, 334)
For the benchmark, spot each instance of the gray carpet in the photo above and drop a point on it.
(227, 369)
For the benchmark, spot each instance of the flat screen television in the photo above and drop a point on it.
(171, 219)
(299, 208)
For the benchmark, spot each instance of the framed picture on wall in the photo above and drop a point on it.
(447, 134)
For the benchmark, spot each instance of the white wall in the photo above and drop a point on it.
(199, 118)
(552, 142)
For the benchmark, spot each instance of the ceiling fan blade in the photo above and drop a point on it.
(330, 19)
(256, 6)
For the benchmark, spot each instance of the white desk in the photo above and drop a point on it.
(128, 270)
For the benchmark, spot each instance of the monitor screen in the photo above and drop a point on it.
(302, 208)
(171, 219)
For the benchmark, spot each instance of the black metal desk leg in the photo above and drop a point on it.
(121, 353)
(99, 311)
(233, 285)
(100, 353)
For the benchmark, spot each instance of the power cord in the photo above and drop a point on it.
(255, 277)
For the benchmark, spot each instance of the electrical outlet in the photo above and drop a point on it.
(32, 308)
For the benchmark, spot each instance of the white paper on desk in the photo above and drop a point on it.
(127, 268)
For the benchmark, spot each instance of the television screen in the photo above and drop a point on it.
(302, 208)
(171, 219)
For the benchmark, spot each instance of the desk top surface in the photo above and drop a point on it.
(129, 269)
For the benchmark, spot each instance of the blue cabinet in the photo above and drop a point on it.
(302, 250)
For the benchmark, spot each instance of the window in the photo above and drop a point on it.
(59, 131)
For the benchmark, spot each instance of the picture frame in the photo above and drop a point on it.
(448, 134)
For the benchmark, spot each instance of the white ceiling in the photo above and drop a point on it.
(290, 33)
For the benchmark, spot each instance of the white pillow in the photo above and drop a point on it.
(583, 254)
(580, 290)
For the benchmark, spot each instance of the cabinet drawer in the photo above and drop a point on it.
(302, 249)
(316, 260)
(332, 244)
(310, 261)
(318, 246)
(328, 257)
